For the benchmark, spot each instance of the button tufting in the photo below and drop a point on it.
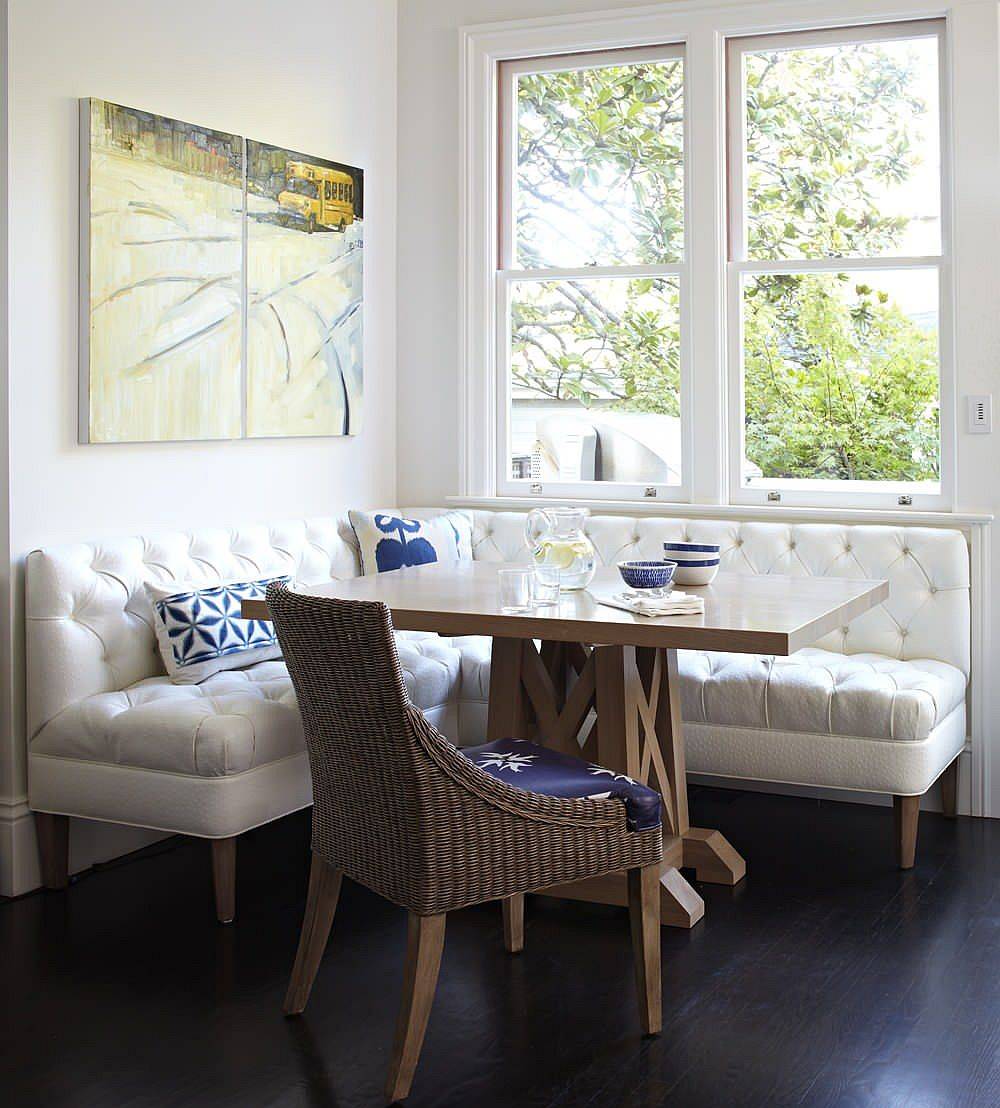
(844, 630)
(933, 589)
(903, 633)
(848, 548)
(739, 542)
(906, 550)
(791, 545)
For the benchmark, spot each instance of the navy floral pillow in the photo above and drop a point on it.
(200, 629)
(388, 541)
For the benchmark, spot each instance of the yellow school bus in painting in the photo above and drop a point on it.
(317, 196)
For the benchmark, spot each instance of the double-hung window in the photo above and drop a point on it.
(838, 308)
(812, 365)
(591, 280)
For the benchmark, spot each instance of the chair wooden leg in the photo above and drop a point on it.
(224, 878)
(321, 904)
(425, 941)
(644, 916)
(513, 923)
(949, 790)
(906, 812)
(53, 849)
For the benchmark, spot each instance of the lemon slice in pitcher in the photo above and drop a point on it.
(558, 554)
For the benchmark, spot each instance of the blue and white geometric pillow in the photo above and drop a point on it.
(200, 630)
(387, 540)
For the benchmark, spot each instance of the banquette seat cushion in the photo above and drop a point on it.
(822, 692)
(233, 721)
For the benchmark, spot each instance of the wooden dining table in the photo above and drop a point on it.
(602, 683)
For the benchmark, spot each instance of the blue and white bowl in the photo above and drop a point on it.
(697, 562)
(645, 575)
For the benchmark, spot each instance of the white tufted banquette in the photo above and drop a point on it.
(112, 738)
(878, 705)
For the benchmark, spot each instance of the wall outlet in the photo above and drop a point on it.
(979, 420)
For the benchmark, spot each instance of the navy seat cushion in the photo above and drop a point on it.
(525, 765)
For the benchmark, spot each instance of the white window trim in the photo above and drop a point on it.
(703, 30)
(836, 493)
(508, 274)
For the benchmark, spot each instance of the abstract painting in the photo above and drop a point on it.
(305, 250)
(161, 260)
(221, 284)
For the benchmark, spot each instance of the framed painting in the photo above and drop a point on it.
(161, 257)
(222, 284)
(304, 288)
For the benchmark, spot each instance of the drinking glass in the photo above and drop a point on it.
(545, 586)
(515, 589)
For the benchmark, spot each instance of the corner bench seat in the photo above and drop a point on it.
(876, 706)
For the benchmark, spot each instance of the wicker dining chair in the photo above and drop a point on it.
(402, 811)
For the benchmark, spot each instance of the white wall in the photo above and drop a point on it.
(325, 82)
(428, 391)
(429, 174)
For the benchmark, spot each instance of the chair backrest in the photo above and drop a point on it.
(368, 771)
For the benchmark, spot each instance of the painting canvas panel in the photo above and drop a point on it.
(161, 257)
(305, 251)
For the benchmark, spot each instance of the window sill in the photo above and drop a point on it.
(730, 511)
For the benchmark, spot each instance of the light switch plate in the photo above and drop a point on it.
(979, 419)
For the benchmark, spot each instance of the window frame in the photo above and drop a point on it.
(797, 492)
(507, 274)
(704, 29)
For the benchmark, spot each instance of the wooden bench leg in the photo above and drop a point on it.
(425, 941)
(949, 790)
(906, 812)
(224, 878)
(53, 849)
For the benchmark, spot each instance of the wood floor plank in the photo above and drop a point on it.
(846, 983)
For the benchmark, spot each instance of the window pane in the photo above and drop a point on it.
(600, 174)
(843, 150)
(841, 377)
(595, 380)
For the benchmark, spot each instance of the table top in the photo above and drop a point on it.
(756, 614)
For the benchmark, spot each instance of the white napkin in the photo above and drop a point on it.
(673, 604)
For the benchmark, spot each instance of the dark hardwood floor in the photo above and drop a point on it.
(827, 978)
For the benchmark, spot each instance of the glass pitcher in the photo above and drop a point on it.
(559, 546)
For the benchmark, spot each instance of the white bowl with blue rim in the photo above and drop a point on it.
(653, 578)
(697, 562)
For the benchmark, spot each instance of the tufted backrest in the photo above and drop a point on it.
(88, 618)
(927, 614)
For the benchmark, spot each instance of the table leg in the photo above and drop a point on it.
(507, 709)
(636, 695)
(707, 852)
